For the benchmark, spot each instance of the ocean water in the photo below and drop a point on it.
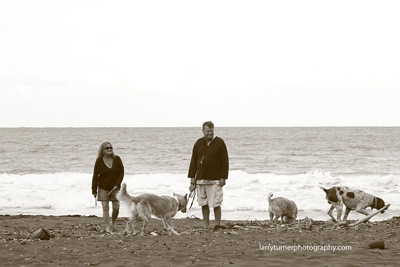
(48, 171)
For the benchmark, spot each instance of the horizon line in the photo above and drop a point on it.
(308, 126)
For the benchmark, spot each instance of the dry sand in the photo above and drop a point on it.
(78, 241)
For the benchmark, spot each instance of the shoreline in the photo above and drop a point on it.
(197, 214)
(78, 240)
(191, 217)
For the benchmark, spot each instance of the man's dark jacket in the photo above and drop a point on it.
(215, 164)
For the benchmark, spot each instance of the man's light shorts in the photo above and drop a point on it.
(209, 194)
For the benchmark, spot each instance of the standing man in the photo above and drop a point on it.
(209, 169)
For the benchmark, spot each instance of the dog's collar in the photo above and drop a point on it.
(177, 200)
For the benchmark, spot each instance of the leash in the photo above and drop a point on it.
(192, 194)
(95, 197)
(114, 188)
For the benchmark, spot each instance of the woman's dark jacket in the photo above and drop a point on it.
(106, 178)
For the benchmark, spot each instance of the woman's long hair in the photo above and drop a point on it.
(101, 150)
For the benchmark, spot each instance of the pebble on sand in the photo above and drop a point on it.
(41, 233)
(377, 244)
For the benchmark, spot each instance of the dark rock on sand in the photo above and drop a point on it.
(377, 244)
(41, 233)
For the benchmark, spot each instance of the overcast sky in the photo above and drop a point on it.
(180, 63)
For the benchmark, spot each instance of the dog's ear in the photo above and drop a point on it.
(380, 204)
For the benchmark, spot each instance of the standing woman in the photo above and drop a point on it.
(107, 177)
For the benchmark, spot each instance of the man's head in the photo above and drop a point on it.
(208, 130)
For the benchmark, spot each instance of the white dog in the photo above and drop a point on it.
(145, 205)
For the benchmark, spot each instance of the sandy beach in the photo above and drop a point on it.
(79, 241)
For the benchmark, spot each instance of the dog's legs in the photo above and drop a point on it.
(165, 224)
(271, 217)
(144, 226)
(144, 212)
(128, 225)
(339, 208)
(146, 218)
(330, 213)
(346, 213)
(277, 216)
(134, 219)
(168, 221)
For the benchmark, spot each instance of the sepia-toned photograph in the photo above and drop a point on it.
(199, 133)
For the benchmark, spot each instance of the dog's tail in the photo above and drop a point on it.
(123, 195)
(270, 197)
(325, 190)
(132, 202)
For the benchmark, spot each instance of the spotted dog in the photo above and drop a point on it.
(353, 199)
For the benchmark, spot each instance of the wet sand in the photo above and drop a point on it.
(79, 241)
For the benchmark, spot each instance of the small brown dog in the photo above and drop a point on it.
(282, 207)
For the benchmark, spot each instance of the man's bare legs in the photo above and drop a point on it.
(206, 215)
(217, 214)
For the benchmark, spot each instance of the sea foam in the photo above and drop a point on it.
(245, 194)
